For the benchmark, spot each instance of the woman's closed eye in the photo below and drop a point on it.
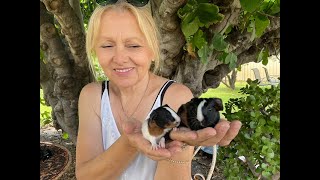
(106, 46)
(133, 46)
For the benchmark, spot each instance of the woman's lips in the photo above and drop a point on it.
(123, 71)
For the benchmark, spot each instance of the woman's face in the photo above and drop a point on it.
(122, 49)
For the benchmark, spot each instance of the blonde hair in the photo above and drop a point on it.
(145, 23)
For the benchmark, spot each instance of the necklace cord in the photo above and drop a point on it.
(129, 117)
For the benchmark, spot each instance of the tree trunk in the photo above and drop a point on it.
(66, 69)
(230, 81)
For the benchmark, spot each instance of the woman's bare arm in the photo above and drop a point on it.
(92, 162)
(179, 165)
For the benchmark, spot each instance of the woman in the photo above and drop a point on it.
(110, 145)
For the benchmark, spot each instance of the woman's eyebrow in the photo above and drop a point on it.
(126, 40)
(104, 39)
(130, 39)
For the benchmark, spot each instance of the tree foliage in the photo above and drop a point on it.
(259, 139)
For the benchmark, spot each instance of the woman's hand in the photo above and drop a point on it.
(132, 131)
(222, 134)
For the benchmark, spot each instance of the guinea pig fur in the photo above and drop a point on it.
(200, 113)
(161, 120)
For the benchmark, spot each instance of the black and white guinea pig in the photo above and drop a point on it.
(200, 113)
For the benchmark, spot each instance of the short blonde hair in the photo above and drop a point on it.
(145, 23)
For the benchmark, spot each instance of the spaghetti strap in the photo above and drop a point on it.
(165, 89)
(103, 87)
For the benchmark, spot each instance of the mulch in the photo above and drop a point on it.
(54, 160)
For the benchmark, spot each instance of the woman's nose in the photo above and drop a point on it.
(120, 55)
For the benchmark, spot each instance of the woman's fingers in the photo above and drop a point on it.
(221, 130)
(183, 134)
(222, 134)
(231, 134)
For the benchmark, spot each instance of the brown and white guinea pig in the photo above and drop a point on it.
(161, 120)
(200, 113)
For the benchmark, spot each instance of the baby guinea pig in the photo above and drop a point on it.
(199, 113)
(161, 120)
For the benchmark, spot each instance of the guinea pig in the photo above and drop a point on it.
(200, 113)
(161, 120)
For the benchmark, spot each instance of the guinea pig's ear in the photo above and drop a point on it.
(166, 105)
(153, 114)
(218, 104)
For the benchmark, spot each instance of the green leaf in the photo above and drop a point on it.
(266, 174)
(275, 7)
(246, 135)
(199, 40)
(252, 124)
(208, 14)
(46, 121)
(65, 135)
(274, 118)
(182, 12)
(270, 153)
(251, 28)
(258, 129)
(251, 97)
(41, 54)
(221, 57)
(233, 116)
(263, 56)
(261, 23)
(218, 42)
(228, 30)
(189, 29)
(250, 5)
(262, 122)
(265, 59)
(231, 59)
(264, 149)
(203, 54)
(252, 113)
(264, 165)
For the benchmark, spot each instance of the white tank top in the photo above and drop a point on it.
(142, 167)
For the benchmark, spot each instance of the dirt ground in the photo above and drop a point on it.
(201, 162)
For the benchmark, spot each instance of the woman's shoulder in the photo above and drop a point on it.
(91, 89)
(175, 88)
(177, 94)
(179, 90)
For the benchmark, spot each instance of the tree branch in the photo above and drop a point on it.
(231, 16)
(75, 4)
(164, 13)
(71, 27)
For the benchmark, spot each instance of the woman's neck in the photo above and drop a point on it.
(130, 99)
(137, 89)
